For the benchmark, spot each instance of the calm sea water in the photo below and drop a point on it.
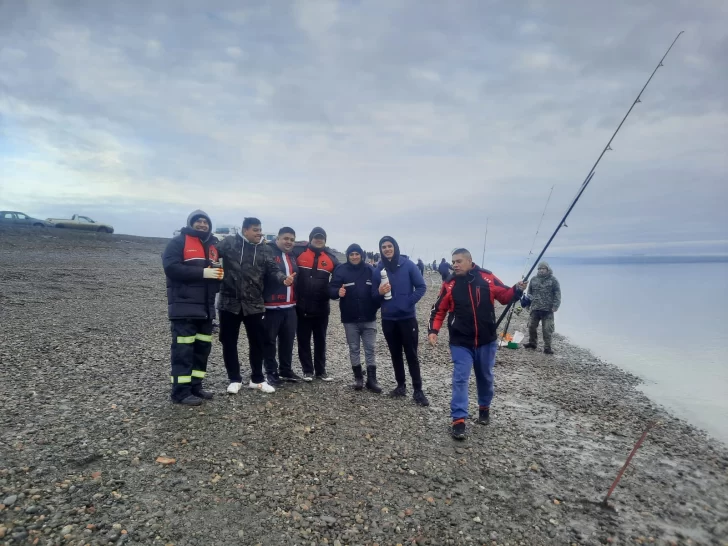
(667, 323)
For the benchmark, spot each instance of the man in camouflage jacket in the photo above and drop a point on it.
(545, 294)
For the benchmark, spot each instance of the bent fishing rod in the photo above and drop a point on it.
(584, 184)
(528, 257)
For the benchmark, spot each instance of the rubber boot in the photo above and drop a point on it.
(358, 378)
(372, 384)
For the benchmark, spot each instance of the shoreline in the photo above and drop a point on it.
(312, 461)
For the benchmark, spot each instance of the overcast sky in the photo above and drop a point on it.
(417, 119)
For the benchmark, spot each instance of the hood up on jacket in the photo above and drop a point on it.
(389, 265)
(548, 268)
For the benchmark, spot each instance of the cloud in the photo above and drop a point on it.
(411, 118)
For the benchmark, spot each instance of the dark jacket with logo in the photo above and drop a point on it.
(246, 268)
(314, 274)
(189, 295)
(359, 305)
(408, 287)
(469, 300)
(275, 294)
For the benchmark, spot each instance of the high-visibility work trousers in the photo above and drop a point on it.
(191, 346)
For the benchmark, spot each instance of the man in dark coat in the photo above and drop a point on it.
(444, 269)
(316, 263)
(398, 297)
(191, 287)
(248, 263)
(421, 266)
(352, 286)
(469, 296)
(280, 313)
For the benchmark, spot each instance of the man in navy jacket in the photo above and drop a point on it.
(352, 286)
(191, 288)
(399, 319)
(280, 312)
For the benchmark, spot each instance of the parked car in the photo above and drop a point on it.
(81, 222)
(14, 218)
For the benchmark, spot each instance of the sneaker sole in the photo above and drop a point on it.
(308, 379)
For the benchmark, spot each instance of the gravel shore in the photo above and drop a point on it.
(85, 416)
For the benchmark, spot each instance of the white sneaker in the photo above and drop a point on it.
(234, 388)
(262, 387)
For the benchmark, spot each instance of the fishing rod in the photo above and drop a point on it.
(485, 240)
(528, 257)
(584, 184)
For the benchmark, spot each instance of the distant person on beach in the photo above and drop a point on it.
(248, 262)
(398, 297)
(352, 286)
(316, 263)
(421, 266)
(280, 312)
(545, 295)
(193, 278)
(468, 296)
(444, 269)
(434, 265)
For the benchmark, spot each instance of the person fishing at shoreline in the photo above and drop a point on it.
(544, 294)
(468, 296)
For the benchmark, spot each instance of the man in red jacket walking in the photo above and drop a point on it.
(468, 296)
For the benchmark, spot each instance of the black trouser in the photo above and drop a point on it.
(403, 335)
(280, 325)
(191, 345)
(229, 333)
(316, 326)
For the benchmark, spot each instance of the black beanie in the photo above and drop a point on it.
(355, 248)
(317, 231)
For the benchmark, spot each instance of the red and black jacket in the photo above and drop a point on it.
(189, 295)
(469, 300)
(275, 294)
(314, 273)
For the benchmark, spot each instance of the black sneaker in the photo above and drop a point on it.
(307, 376)
(399, 392)
(201, 393)
(420, 398)
(458, 429)
(548, 351)
(484, 416)
(290, 376)
(273, 380)
(189, 400)
(324, 377)
(529, 345)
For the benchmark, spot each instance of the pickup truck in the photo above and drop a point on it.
(81, 222)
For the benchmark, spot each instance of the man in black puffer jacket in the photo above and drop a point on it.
(249, 263)
(191, 288)
(352, 286)
(316, 263)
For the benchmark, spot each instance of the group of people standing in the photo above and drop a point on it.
(282, 291)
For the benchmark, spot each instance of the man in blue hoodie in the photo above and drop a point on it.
(352, 286)
(398, 297)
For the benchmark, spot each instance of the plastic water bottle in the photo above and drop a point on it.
(385, 280)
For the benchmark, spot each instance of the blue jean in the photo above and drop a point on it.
(464, 359)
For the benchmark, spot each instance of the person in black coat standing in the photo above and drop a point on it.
(193, 278)
(352, 286)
